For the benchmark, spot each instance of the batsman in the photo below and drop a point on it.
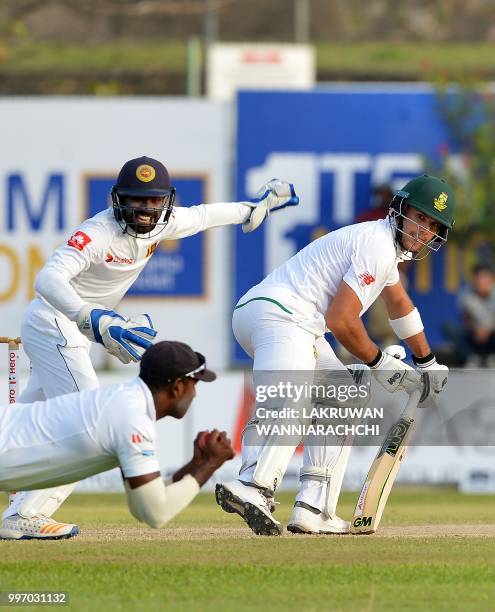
(281, 323)
(79, 289)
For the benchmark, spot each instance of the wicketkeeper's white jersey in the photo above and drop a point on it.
(100, 262)
(70, 437)
(363, 255)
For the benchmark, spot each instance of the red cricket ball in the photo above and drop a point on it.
(203, 440)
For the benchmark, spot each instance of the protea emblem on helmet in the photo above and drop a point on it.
(145, 173)
(440, 203)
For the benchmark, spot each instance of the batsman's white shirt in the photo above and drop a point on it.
(299, 291)
(71, 437)
(363, 255)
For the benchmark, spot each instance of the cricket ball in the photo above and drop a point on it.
(203, 439)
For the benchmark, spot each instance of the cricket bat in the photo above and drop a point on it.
(384, 469)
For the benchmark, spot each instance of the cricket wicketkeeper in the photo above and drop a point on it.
(79, 289)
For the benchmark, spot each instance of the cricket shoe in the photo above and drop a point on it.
(306, 519)
(16, 527)
(250, 503)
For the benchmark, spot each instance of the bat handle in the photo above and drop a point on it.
(412, 403)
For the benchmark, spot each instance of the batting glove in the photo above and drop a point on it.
(274, 195)
(126, 339)
(392, 373)
(434, 375)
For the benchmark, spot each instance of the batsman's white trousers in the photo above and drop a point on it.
(280, 331)
(60, 364)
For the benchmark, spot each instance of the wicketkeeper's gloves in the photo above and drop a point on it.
(126, 339)
(274, 195)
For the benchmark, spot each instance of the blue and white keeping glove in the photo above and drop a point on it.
(434, 375)
(126, 339)
(274, 195)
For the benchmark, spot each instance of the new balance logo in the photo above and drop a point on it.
(366, 278)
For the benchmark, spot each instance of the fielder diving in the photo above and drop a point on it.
(69, 437)
(281, 323)
(83, 282)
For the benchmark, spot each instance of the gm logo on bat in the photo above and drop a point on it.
(364, 521)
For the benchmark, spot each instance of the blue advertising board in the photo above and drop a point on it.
(178, 267)
(336, 144)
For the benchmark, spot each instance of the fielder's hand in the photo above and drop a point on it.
(126, 339)
(199, 446)
(393, 374)
(213, 447)
(274, 195)
(434, 376)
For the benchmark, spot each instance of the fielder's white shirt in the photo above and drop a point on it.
(70, 437)
(99, 262)
(363, 255)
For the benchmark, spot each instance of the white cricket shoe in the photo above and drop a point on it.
(306, 519)
(251, 504)
(16, 527)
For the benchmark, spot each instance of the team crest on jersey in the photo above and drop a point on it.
(145, 173)
(79, 240)
(151, 249)
(440, 203)
(366, 278)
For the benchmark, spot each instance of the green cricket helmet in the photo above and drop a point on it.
(432, 196)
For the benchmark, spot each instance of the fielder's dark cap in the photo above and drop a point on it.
(143, 176)
(166, 361)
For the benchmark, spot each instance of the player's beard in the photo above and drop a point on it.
(142, 221)
(412, 241)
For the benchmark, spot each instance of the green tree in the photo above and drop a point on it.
(468, 109)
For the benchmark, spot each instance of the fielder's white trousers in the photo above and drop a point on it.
(280, 331)
(60, 364)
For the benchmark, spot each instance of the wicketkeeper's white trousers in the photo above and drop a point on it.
(60, 364)
(282, 332)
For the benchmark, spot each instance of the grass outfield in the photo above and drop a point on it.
(434, 551)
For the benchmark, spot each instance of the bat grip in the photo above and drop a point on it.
(412, 403)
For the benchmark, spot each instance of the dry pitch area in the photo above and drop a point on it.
(434, 551)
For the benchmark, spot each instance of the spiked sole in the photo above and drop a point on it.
(255, 518)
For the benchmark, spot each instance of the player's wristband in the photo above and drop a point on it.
(424, 362)
(408, 325)
(376, 360)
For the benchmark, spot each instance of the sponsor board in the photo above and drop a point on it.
(45, 178)
(177, 268)
(346, 140)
